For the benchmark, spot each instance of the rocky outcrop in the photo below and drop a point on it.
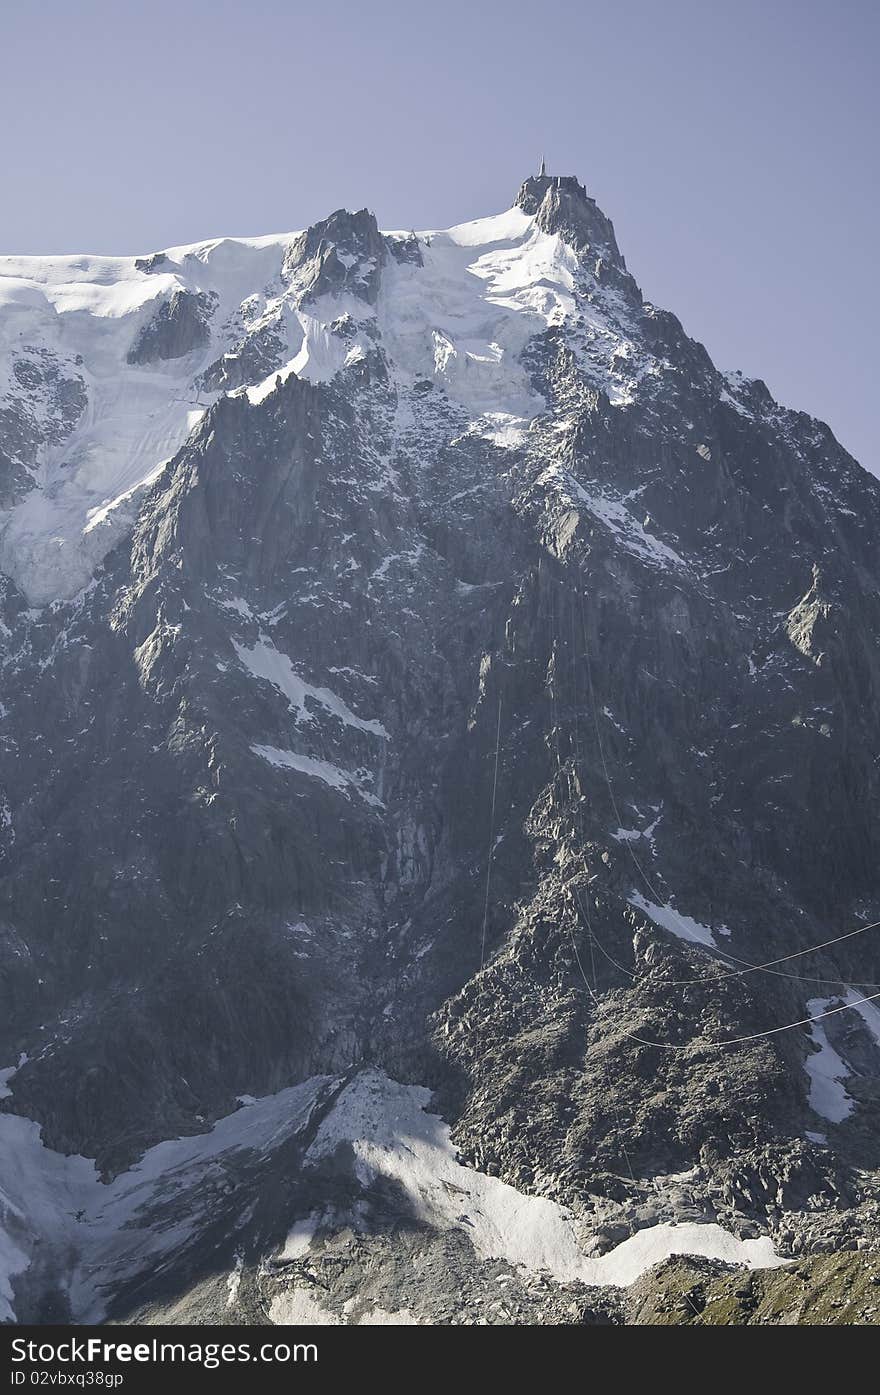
(46, 400)
(344, 253)
(829, 1291)
(561, 205)
(179, 326)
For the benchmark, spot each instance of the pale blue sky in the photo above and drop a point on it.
(733, 143)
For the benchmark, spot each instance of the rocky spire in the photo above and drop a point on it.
(559, 204)
(344, 252)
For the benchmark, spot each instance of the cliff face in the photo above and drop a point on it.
(481, 686)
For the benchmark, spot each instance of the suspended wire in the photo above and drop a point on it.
(491, 856)
(749, 967)
(768, 966)
(556, 632)
(699, 1043)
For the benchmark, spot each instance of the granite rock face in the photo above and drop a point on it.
(178, 328)
(483, 686)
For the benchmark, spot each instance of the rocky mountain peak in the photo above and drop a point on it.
(560, 204)
(342, 253)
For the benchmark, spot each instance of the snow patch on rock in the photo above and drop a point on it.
(323, 770)
(826, 1070)
(263, 660)
(684, 927)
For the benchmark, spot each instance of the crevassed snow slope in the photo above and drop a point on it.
(462, 320)
(83, 315)
(464, 317)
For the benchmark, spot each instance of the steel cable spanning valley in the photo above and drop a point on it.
(767, 967)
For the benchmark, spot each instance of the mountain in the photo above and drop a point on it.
(440, 735)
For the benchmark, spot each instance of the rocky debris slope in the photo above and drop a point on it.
(417, 657)
(824, 1291)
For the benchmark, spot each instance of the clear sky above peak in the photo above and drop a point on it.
(734, 146)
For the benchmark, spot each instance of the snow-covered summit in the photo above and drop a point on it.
(108, 363)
